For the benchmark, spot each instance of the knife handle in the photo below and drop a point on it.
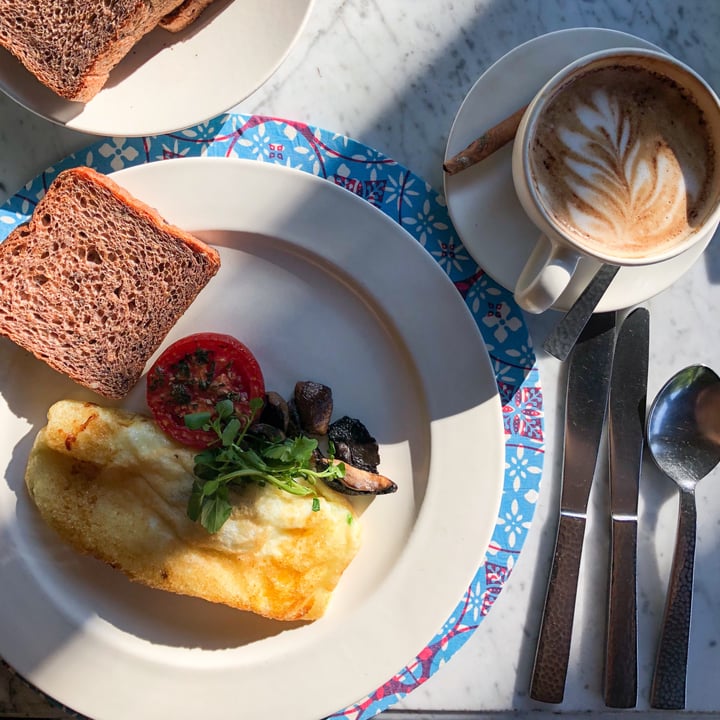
(621, 647)
(553, 649)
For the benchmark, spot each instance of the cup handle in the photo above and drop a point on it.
(546, 274)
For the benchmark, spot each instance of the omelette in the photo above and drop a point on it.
(115, 487)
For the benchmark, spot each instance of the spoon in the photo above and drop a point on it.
(683, 436)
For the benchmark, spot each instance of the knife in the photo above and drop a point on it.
(626, 423)
(561, 340)
(585, 406)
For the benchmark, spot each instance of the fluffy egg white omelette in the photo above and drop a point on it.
(114, 486)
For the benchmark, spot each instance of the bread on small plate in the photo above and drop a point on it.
(72, 45)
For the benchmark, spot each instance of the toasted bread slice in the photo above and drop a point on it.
(96, 279)
(72, 45)
(184, 15)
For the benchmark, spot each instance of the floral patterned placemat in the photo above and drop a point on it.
(421, 211)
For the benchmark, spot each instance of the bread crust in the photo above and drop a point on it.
(95, 280)
(184, 15)
(72, 45)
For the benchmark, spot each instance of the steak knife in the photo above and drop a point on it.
(585, 407)
(626, 423)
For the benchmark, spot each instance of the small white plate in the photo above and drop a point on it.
(481, 200)
(170, 80)
(321, 285)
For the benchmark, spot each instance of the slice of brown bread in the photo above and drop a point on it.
(72, 45)
(93, 282)
(184, 15)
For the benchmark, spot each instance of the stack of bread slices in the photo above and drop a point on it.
(72, 45)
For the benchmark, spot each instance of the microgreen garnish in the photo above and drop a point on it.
(242, 456)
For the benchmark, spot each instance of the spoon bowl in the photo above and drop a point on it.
(683, 426)
(683, 437)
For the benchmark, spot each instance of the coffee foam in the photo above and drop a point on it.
(622, 160)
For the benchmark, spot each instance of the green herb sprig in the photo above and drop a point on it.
(242, 456)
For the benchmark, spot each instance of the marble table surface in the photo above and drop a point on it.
(392, 75)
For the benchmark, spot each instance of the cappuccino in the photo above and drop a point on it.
(623, 160)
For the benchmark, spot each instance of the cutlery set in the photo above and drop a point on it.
(608, 370)
(607, 383)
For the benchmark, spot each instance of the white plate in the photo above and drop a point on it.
(169, 80)
(320, 285)
(481, 200)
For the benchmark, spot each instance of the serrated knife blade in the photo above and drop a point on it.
(585, 408)
(626, 425)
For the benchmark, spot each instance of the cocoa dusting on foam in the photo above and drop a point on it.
(622, 157)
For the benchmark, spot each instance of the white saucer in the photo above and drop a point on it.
(482, 201)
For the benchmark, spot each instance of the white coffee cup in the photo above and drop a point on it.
(617, 158)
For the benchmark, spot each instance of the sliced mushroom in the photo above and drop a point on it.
(275, 411)
(314, 405)
(268, 432)
(354, 444)
(294, 428)
(360, 482)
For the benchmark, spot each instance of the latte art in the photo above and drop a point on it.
(621, 158)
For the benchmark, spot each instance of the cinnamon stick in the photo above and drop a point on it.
(490, 141)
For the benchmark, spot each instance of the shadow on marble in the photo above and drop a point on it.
(712, 259)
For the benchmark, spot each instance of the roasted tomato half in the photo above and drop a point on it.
(194, 374)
